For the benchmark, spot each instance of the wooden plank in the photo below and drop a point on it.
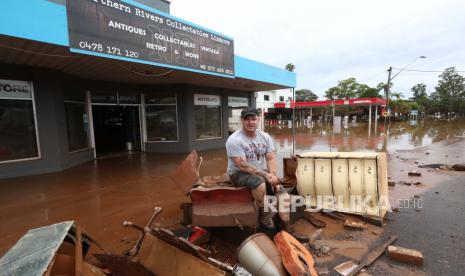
(78, 252)
(373, 255)
(308, 216)
(355, 155)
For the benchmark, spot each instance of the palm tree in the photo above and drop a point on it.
(396, 95)
(290, 67)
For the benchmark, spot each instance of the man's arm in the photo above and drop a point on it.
(242, 164)
(271, 163)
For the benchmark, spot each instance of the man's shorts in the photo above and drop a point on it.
(252, 181)
(242, 179)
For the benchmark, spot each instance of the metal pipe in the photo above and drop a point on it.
(293, 122)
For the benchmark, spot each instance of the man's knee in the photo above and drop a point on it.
(260, 190)
(259, 194)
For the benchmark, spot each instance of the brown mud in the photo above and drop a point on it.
(100, 195)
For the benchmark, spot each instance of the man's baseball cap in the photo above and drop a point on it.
(249, 111)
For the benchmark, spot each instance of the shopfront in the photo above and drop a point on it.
(61, 105)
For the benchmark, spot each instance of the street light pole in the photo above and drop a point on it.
(388, 85)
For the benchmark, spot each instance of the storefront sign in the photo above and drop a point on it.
(128, 98)
(123, 31)
(160, 99)
(106, 98)
(211, 100)
(15, 89)
(238, 102)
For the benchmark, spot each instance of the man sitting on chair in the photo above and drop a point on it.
(252, 163)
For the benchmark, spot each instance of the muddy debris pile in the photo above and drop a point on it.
(220, 233)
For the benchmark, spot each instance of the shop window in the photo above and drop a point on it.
(161, 118)
(281, 98)
(77, 125)
(207, 113)
(235, 106)
(266, 98)
(18, 137)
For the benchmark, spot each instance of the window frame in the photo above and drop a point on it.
(36, 127)
(86, 109)
(221, 118)
(145, 120)
(266, 98)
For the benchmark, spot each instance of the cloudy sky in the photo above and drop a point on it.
(333, 40)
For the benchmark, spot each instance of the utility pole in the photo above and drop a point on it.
(386, 92)
(388, 87)
(293, 122)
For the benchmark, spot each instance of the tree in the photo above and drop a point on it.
(345, 89)
(419, 92)
(450, 90)
(290, 67)
(420, 96)
(397, 95)
(303, 95)
(365, 91)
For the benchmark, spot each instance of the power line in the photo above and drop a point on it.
(424, 71)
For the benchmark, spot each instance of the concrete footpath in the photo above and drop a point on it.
(437, 229)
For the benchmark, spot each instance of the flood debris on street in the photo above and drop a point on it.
(414, 173)
(221, 236)
(405, 255)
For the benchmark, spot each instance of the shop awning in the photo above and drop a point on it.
(35, 33)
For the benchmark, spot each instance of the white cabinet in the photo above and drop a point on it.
(341, 184)
(356, 185)
(350, 182)
(305, 174)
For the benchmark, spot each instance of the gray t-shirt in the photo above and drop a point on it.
(253, 149)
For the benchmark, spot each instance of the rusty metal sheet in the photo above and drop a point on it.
(186, 174)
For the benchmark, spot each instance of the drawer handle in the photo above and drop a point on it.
(355, 169)
(369, 170)
(339, 169)
(322, 169)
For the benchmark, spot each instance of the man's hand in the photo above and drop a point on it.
(273, 179)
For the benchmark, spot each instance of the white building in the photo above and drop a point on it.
(267, 99)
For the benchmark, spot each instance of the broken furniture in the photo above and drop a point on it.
(57, 249)
(163, 253)
(295, 257)
(215, 204)
(349, 182)
(260, 256)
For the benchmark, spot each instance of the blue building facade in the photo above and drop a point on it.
(61, 106)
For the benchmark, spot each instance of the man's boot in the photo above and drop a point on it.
(286, 226)
(265, 219)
